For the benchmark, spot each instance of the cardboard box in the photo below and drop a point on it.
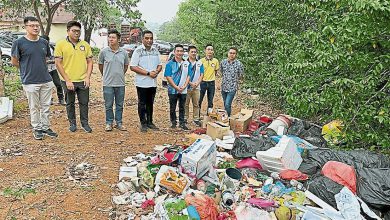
(219, 115)
(217, 130)
(240, 122)
(283, 156)
(199, 157)
(206, 119)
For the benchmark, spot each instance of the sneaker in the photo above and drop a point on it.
(87, 128)
(173, 126)
(38, 134)
(121, 127)
(198, 123)
(72, 127)
(62, 102)
(108, 127)
(184, 127)
(144, 128)
(153, 126)
(50, 133)
(51, 102)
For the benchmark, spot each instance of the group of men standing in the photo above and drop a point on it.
(189, 80)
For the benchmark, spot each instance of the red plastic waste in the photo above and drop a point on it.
(205, 205)
(199, 131)
(148, 203)
(293, 175)
(253, 126)
(265, 119)
(230, 215)
(248, 162)
(166, 156)
(340, 173)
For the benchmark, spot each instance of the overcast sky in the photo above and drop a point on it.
(158, 11)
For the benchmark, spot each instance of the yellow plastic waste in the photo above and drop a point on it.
(284, 213)
(333, 131)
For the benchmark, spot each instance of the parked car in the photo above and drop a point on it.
(130, 48)
(163, 47)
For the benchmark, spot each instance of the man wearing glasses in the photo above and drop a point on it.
(73, 58)
(29, 54)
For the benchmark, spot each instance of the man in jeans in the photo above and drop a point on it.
(195, 73)
(29, 54)
(113, 64)
(211, 67)
(54, 74)
(73, 58)
(176, 72)
(232, 71)
(145, 62)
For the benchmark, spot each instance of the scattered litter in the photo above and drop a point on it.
(83, 171)
(270, 169)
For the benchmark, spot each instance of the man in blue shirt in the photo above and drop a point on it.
(195, 72)
(29, 54)
(176, 72)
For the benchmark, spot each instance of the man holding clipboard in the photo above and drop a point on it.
(176, 72)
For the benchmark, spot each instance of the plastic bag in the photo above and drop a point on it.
(340, 173)
(374, 187)
(293, 175)
(324, 188)
(307, 131)
(248, 162)
(316, 159)
(205, 205)
(244, 147)
(169, 178)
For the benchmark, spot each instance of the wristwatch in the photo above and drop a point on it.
(148, 73)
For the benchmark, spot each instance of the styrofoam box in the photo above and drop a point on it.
(284, 155)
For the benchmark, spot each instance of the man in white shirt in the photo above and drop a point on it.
(145, 62)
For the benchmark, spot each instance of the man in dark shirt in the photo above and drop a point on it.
(29, 54)
(232, 71)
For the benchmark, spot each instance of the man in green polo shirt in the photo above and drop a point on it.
(73, 58)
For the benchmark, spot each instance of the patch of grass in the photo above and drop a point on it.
(13, 86)
(19, 193)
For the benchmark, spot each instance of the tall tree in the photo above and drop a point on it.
(95, 14)
(44, 10)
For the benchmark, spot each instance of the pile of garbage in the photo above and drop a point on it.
(262, 168)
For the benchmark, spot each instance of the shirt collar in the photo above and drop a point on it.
(67, 39)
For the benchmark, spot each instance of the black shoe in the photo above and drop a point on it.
(184, 127)
(50, 133)
(72, 127)
(62, 102)
(144, 128)
(173, 126)
(198, 123)
(38, 134)
(87, 128)
(153, 126)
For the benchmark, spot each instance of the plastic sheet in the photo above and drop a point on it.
(244, 147)
(307, 131)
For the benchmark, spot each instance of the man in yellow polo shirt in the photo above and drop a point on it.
(73, 58)
(211, 67)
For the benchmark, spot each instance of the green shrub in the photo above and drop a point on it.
(317, 60)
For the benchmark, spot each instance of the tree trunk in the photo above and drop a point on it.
(87, 33)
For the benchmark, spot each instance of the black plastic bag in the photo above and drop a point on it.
(244, 147)
(310, 132)
(373, 187)
(325, 189)
(314, 160)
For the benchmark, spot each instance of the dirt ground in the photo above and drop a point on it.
(43, 165)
